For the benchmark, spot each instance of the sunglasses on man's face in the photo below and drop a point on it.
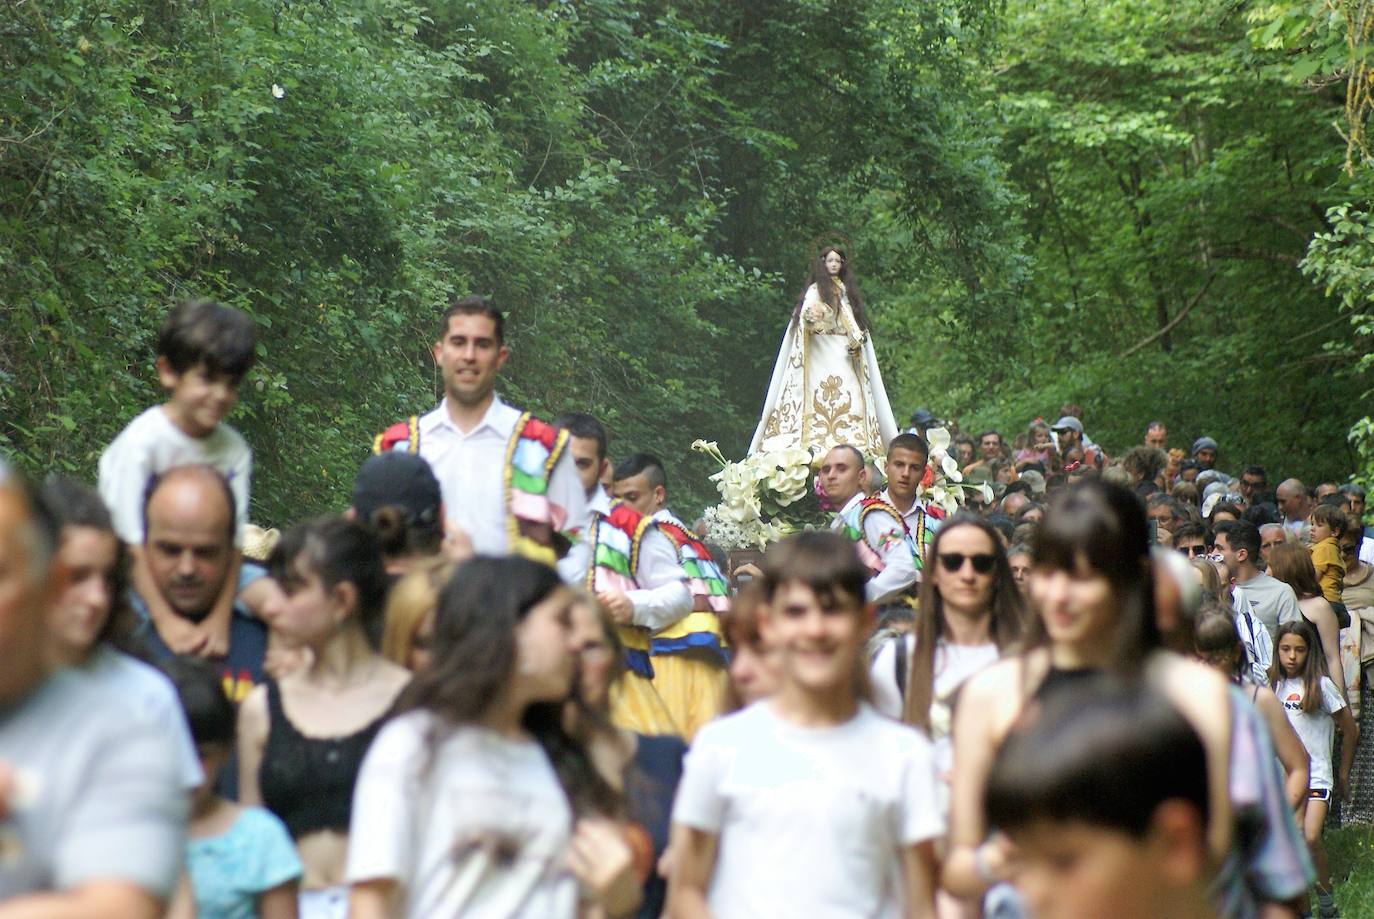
(954, 561)
(1193, 551)
(1350, 548)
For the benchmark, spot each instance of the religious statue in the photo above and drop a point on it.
(826, 389)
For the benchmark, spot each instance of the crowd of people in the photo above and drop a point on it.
(508, 681)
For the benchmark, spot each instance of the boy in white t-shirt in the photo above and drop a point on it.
(203, 352)
(808, 802)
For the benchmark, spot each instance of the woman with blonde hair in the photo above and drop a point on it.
(408, 625)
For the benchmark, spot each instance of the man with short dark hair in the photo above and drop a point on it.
(1271, 600)
(688, 655)
(91, 798)
(188, 543)
(1157, 435)
(907, 459)
(1253, 481)
(1353, 504)
(1191, 539)
(507, 482)
(876, 527)
(990, 446)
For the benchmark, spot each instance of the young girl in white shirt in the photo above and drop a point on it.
(473, 800)
(808, 802)
(1315, 707)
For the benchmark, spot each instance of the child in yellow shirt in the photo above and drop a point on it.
(1325, 526)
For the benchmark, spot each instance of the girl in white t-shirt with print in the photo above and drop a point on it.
(1315, 707)
(473, 800)
(808, 802)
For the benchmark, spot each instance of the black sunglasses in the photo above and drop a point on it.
(953, 561)
(1193, 551)
(1350, 548)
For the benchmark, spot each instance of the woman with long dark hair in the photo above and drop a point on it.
(826, 389)
(1091, 585)
(301, 739)
(474, 799)
(970, 614)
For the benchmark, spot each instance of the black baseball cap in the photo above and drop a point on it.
(401, 480)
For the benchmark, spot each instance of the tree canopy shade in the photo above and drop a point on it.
(1105, 202)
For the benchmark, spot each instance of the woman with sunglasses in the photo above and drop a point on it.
(970, 611)
(1358, 597)
(1091, 585)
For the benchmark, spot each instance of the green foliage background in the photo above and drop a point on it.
(1032, 190)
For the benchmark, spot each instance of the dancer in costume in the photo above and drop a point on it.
(623, 558)
(507, 483)
(826, 389)
(689, 655)
(875, 526)
(908, 457)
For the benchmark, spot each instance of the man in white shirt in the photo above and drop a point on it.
(876, 527)
(689, 656)
(662, 597)
(907, 457)
(508, 485)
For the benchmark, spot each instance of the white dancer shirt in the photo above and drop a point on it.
(663, 597)
(892, 545)
(810, 821)
(471, 471)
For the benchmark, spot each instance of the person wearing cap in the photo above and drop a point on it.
(398, 498)
(1068, 433)
(922, 420)
(1205, 452)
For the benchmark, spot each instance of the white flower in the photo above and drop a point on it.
(938, 439)
(950, 466)
(987, 493)
(278, 91)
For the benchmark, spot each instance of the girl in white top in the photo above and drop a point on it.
(1315, 707)
(466, 802)
(809, 802)
(970, 610)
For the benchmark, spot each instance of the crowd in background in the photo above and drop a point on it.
(1130, 685)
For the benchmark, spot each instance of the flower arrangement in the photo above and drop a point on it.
(769, 494)
(943, 484)
(764, 496)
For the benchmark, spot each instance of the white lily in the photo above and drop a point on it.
(938, 439)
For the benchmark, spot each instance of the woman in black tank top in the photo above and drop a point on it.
(302, 740)
(1092, 590)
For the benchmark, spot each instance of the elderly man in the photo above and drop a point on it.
(188, 544)
(1294, 504)
(91, 799)
(1271, 535)
(876, 527)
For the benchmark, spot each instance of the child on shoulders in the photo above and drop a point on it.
(203, 352)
